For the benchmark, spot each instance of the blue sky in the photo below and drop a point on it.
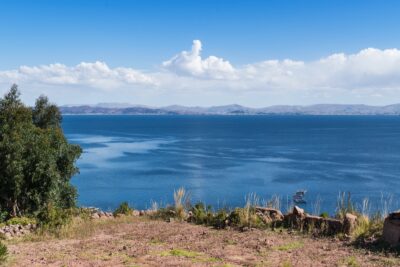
(140, 35)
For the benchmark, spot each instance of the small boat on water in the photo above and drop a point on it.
(298, 197)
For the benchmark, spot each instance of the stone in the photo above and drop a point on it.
(298, 211)
(150, 212)
(273, 214)
(391, 229)
(264, 217)
(136, 213)
(95, 216)
(334, 226)
(349, 223)
(8, 235)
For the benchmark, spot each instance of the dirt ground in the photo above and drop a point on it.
(140, 242)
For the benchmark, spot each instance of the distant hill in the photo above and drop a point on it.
(320, 109)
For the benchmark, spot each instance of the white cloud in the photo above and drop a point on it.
(96, 74)
(340, 78)
(191, 63)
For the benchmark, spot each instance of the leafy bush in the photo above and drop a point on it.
(54, 218)
(123, 209)
(164, 213)
(3, 253)
(201, 214)
(21, 221)
(324, 215)
(245, 217)
(3, 216)
(83, 213)
(219, 220)
(205, 215)
(368, 228)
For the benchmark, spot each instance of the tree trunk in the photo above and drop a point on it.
(14, 208)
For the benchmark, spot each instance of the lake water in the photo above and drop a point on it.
(221, 159)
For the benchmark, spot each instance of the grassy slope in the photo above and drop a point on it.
(133, 241)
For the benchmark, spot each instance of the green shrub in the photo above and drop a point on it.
(245, 217)
(54, 218)
(3, 253)
(123, 209)
(324, 215)
(201, 214)
(164, 213)
(219, 220)
(234, 217)
(3, 216)
(368, 227)
(21, 220)
(83, 213)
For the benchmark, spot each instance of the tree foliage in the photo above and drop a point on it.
(36, 160)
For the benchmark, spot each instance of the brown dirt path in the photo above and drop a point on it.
(140, 242)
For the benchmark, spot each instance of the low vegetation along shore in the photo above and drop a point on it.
(40, 223)
(183, 234)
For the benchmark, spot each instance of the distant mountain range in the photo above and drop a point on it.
(320, 109)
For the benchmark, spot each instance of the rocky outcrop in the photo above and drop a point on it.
(295, 219)
(16, 230)
(298, 219)
(269, 215)
(349, 223)
(391, 229)
(101, 215)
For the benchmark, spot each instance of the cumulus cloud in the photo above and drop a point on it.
(191, 63)
(369, 68)
(97, 74)
(366, 74)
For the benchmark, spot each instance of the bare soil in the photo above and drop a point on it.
(141, 242)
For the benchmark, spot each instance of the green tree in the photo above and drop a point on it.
(36, 160)
(46, 115)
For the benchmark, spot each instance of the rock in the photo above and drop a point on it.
(391, 229)
(264, 217)
(349, 223)
(150, 212)
(295, 219)
(273, 214)
(95, 216)
(298, 211)
(313, 220)
(190, 217)
(334, 226)
(136, 213)
(245, 229)
(8, 235)
(141, 213)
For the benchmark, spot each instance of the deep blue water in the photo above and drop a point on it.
(220, 159)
